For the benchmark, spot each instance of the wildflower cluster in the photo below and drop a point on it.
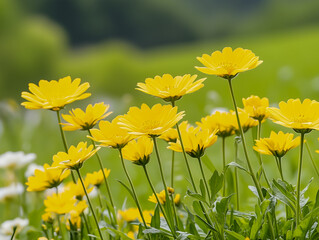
(82, 207)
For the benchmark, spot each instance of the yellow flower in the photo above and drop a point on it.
(195, 141)
(245, 121)
(96, 178)
(171, 89)
(48, 178)
(76, 189)
(150, 121)
(170, 135)
(139, 151)
(133, 214)
(110, 134)
(78, 119)
(60, 203)
(228, 63)
(48, 217)
(277, 144)
(74, 220)
(256, 107)
(162, 198)
(75, 156)
(223, 121)
(54, 95)
(301, 117)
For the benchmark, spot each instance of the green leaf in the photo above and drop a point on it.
(196, 196)
(215, 184)
(198, 209)
(282, 193)
(156, 221)
(234, 164)
(234, 235)
(156, 232)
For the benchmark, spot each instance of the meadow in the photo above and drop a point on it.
(289, 70)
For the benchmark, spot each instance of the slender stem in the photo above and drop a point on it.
(86, 223)
(90, 204)
(236, 176)
(158, 201)
(224, 165)
(260, 194)
(14, 232)
(174, 208)
(184, 154)
(172, 169)
(160, 165)
(280, 168)
(65, 144)
(302, 136)
(132, 188)
(260, 158)
(311, 158)
(105, 181)
(204, 178)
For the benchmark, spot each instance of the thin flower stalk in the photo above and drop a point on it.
(236, 176)
(65, 144)
(90, 204)
(105, 180)
(224, 165)
(247, 157)
(204, 178)
(172, 169)
(278, 161)
(302, 137)
(311, 158)
(133, 189)
(159, 202)
(58, 218)
(259, 155)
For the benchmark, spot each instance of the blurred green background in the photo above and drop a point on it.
(114, 44)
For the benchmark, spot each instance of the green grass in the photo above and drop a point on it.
(290, 70)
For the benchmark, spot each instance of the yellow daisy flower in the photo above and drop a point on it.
(73, 222)
(171, 88)
(301, 117)
(78, 119)
(162, 198)
(61, 203)
(48, 217)
(76, 189)
(277, 144)
(54, 95)
(223, 121)
(75, 156)
(97, 178)
(138, 151)
(170, 135)
(110, 134)
(133, 214)
(48, 178)
(256, 107)
(228, 63)
(245, 121)
(195, 141)
(150, 121)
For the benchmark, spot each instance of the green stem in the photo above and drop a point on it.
(158, 201)
(58, 217)
(204, 178)
(133, 189)
(260, 158)
(302, 136)
(172, 169)
(311, 158)
(184, 154)
(14, 232)
(278, 159)
(260, 194)
(64, 140)
(90, 204)
(105, 181)
(86, 223)
(236, 176)
(224, 165)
